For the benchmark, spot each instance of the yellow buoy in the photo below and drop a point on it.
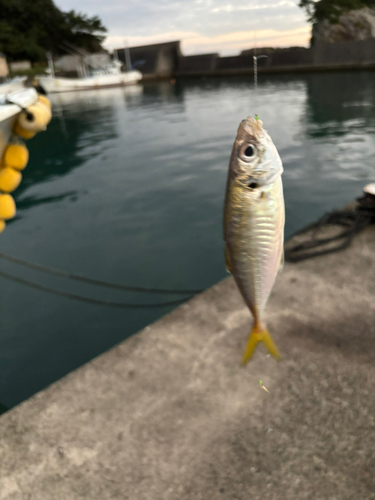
(44, 100)
(2, 225)
(10, 179)
(35, 118)
(7, 207)
(16, 156)
(25, 134)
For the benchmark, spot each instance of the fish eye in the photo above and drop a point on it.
(247, 152)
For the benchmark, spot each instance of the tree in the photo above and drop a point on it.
(30, 28)
(332, 9)
(85, 32)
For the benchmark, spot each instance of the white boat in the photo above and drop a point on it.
(11, 105)
(109, 76)
(13, 84)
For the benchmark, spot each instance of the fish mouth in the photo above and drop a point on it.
(253, 126)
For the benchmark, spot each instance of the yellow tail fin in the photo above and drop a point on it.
(259, 333)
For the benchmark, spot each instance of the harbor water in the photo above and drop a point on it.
(127, 186)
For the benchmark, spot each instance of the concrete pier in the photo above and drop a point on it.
(170, 415)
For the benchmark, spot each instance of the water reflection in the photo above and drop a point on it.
(340, 102)
(341, 117)
(72, 138)
(31, 201)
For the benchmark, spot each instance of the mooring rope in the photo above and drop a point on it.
(88, 300)
(90, 281)
(352, 221)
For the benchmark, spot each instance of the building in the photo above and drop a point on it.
(159, 60)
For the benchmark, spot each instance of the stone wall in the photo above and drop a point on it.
(355, 25)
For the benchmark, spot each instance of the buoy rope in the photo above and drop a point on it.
(121, 305)
(90, 281)
(23, 109)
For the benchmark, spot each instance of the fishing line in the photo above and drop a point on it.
(105, 284)
(255, 69)
(88, 300)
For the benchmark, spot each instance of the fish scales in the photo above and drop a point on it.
(253, 253)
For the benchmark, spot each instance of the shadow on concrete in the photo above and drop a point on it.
(352, 336)
(310, 434)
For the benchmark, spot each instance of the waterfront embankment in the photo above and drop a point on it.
(169, 413)
(165, 60)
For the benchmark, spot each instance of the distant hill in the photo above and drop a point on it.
(30, 28)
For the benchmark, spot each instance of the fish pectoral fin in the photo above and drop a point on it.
(259, 333)
(228, 263)
(282, 262)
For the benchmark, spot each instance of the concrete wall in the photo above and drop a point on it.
(297, 56)
(158, 61)
(164, 60)
(280, 57)
(242, 64)
(235, 62)
(201, 63)
(350, 53)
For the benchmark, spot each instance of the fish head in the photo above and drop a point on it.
(255, 161)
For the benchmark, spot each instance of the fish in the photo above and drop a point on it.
(254, 219)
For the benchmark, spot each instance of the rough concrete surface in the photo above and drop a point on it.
(169, 414)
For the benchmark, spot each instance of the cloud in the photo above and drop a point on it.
(202, 25)
(228, 44)
(231, 8)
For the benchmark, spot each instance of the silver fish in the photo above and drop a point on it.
(254, 218)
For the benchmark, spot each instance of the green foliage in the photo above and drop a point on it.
(30, 28)
(332, 9)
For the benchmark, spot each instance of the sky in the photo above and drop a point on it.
(203, 26)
